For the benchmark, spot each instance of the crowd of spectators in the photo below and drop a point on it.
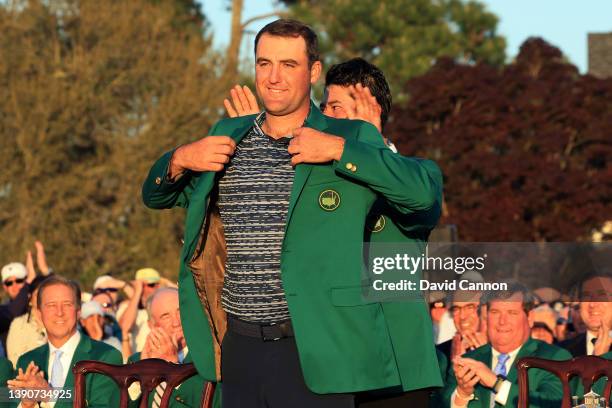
(480, 335)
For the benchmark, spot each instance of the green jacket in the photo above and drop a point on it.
(187, 394)
(545, 388)
(6, 373)
(321, 259)
(390, 231)
(101, 390)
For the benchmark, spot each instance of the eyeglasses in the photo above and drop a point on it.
(106, 290)
(8, 283)
(437, 305)
(467, 308)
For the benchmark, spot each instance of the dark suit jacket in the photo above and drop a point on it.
(576, 345)
(545, 388)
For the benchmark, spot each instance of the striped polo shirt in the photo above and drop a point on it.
(253, 202)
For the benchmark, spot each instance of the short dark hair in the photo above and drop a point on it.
(59, 280)
(293, 28)
(359, 71)
(513, 288)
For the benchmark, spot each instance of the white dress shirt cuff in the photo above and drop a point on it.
(504, 390)
(453, 404)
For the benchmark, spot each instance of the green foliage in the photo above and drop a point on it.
(90, 96)
(403, 37)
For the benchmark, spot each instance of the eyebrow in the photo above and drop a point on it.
(290, 61)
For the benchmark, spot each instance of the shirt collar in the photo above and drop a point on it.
(68, 347)
(511, 354)
(182, 353)
(261, 117)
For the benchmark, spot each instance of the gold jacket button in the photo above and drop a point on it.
(353, 168)
(349, 166)
(158, 180)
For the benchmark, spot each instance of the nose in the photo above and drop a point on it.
(60, 310)
(275, 76)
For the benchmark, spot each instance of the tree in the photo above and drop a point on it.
(402, 37)
(525, 150)
(89, 97)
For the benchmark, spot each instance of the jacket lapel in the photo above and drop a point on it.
(81, 353)
(315, 120)
(528, 349)
(483, 394)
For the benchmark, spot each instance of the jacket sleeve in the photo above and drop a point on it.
(410, 185)
(158, 192)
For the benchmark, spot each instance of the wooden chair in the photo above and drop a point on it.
(149, 372)
(588, 368)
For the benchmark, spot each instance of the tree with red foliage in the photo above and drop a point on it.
(524, 149)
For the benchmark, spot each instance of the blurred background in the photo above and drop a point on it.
(513, 99)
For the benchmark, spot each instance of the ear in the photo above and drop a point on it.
(530, 318)
(315, 71)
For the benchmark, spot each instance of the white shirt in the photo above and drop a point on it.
(502, 396)
(590, 347)
(68, 349)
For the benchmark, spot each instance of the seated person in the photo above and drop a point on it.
(50, 365)
(167, 342)
(596, 313)
(490, 370)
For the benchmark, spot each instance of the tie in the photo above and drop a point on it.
(57, 371)
(500, 368)
(159, 391)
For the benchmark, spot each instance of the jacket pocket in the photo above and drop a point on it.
(351, 296)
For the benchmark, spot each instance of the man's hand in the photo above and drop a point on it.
(242, 103)
(486, 375)
(458, 347)
(162, 346)
(466, 380)
(30, 268)
(210, 153)
(366, 106)
(311, 146)
(32, 378)
(41, 258)
(602, 345)
(473, 340)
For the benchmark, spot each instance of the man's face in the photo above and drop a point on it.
(282, 75)
(165, 315)
(59, 312)
(337, 102)
(12, 286)
(465, 316)
(596, 305)
(508, 326)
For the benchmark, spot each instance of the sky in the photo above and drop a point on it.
(563, 23)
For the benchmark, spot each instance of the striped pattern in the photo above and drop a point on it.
(253, 201)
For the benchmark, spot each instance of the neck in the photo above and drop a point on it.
(58, 342)
(277, 126)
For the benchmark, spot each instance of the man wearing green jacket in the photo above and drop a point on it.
(50, 365)
(274, 253)
(489, 372)
(356, 89)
